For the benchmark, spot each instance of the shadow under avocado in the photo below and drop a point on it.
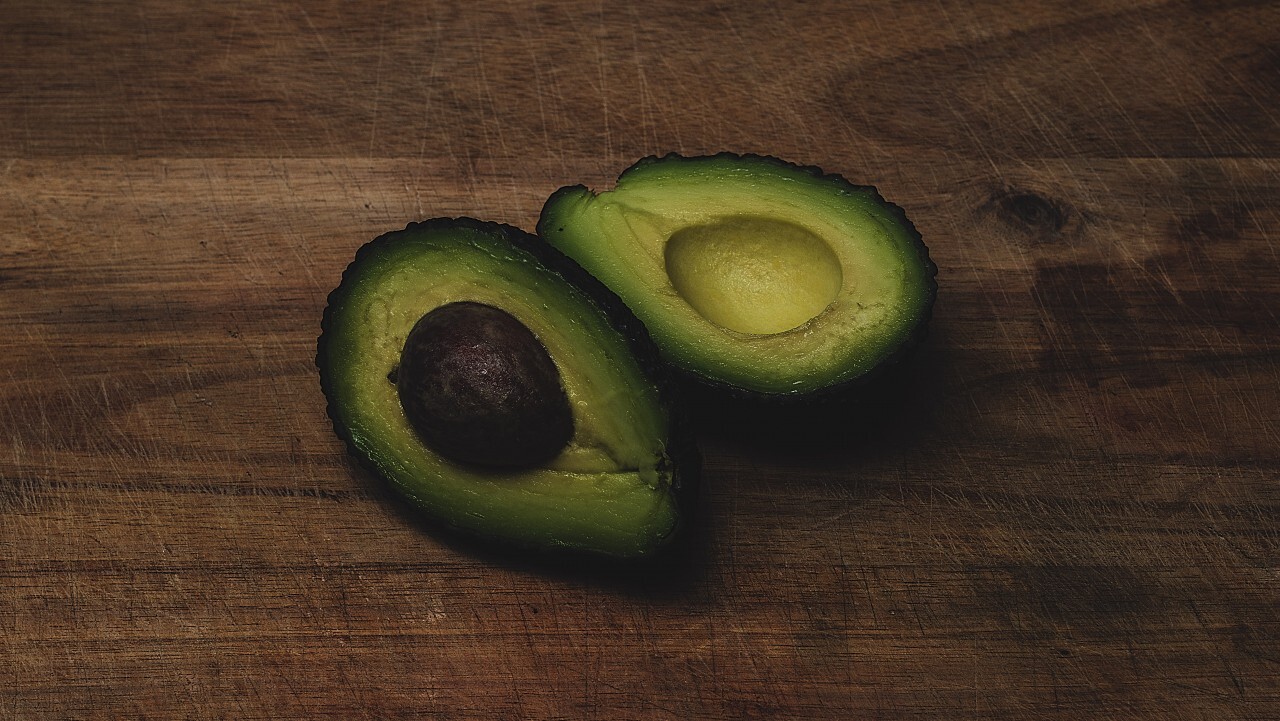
(889, 410)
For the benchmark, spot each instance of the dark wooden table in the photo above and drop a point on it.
(1070, 509)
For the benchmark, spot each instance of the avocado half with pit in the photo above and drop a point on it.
(504, 391)
(753, 274)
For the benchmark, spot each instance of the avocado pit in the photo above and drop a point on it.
(753, 274)
(479, 387)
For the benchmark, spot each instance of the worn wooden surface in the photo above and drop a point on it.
(1071, 509)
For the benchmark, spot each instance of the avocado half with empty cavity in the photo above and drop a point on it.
(505, 392)
(753, 274)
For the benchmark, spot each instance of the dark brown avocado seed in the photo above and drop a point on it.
(479, 387)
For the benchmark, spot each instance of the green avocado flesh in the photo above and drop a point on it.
(752, 273)
(613, 488)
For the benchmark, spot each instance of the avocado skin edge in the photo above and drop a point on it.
(838, 392)
(681, 448)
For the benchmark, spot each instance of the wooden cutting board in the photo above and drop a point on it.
(1068, 506)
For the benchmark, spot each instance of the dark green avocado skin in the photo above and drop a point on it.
(681, 447)
(705, 385)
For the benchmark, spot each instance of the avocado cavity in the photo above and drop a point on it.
(752, 274)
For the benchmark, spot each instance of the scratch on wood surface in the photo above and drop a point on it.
(377, 84)
(602, 72)
(315, 32)
(650, 115)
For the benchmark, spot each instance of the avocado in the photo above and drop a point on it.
(754, 275)
(505, 392)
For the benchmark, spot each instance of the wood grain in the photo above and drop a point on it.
(1068, 505)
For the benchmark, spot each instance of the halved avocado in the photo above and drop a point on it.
(504, 391)
(753, 274)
